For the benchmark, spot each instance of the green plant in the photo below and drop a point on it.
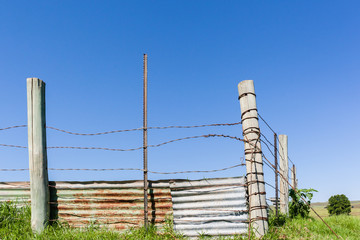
(277, 221)
(339, 204)
(298, 207)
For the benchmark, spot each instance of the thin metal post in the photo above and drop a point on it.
(145, 145)
(276, 177)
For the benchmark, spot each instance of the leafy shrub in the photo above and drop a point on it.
(298, 207)
(339, 204)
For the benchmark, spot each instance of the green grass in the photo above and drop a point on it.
(348, 227)
(322, 211)
(15, 224)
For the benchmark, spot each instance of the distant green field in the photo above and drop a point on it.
(322, 211)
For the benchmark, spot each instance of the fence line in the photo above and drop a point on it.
(125, 169)
(133, 149)
(128, 130)
(273, 132)
(280, 174)
(157, 145)
(272, 153)
(266, 142)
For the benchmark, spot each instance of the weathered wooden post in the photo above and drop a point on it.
(253, 157)
(39, 184)
(276, 177)
(284, 170)
(294, 180)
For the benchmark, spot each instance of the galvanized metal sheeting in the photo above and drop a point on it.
(210, 206)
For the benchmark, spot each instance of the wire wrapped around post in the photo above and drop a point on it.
(253, 158)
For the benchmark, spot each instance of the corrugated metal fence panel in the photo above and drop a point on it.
(18, 192)
(117, 205)
(210, 206)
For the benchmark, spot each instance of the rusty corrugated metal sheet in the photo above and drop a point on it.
(117, 205)
(210, 206)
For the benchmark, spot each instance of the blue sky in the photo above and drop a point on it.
(302, 56)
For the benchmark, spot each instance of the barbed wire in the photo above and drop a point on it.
(95, 148)
(203, 171)
(200, 136)
(18, 126)
(126, 169)
(133, 149)
(128, 130)
(274, 133)
(272, 153)
(94, 134)
(13, 169)
(283, 150)
(267, 147)
(296, 191)
(10, 145)
(266, 123)
(273, 187)
(141, 128)
(197, 126)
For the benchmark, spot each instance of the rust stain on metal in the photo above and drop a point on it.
(118, 205)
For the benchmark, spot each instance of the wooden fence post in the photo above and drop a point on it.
(293, 178)
(253, 158)
(39, 184)
(276, 177)
(284, 170)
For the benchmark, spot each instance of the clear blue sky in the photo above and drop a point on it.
(303, 57)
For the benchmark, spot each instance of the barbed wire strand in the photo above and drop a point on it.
(18, 126)
(94, 134)
(266, 123)
(273, 132)
(283, 150)
(272, 153)
(200, 136)
(141, 128)
(132, 149)
(127, 130)
(280, 174)
(126, 169)
(95, 148)
(10, 145)
(203, 171)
